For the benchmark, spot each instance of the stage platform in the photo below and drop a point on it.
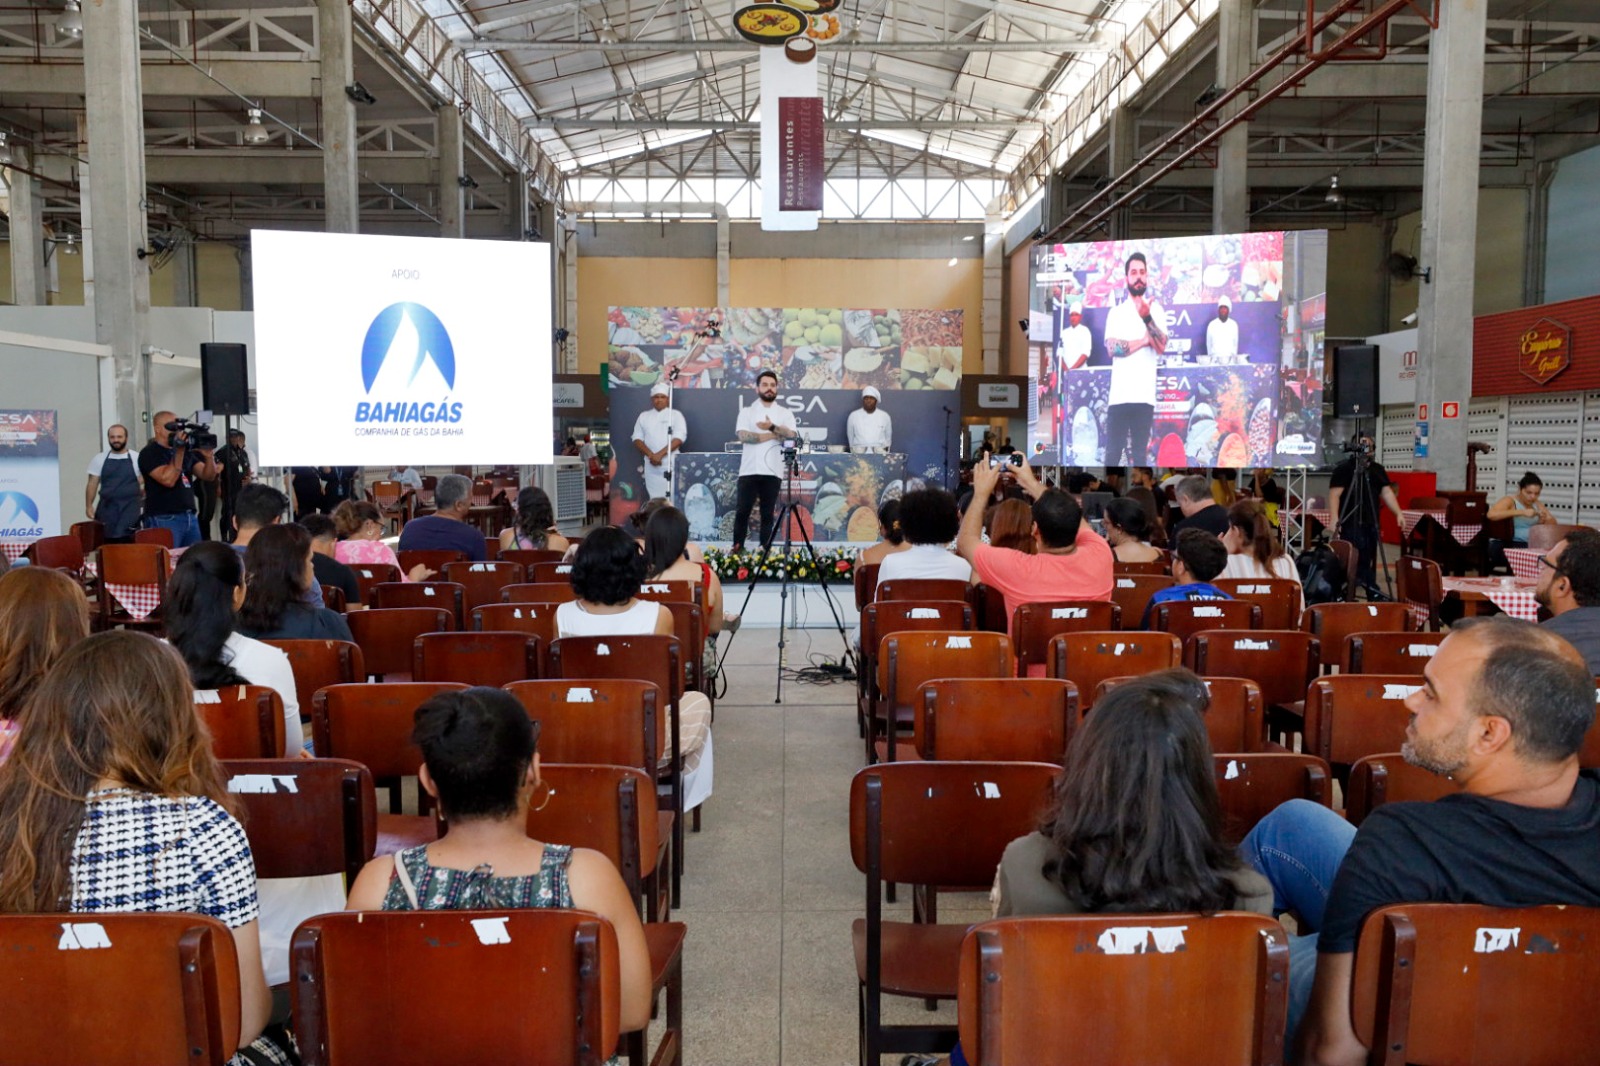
(806, 607)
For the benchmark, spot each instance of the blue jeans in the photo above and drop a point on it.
(185, 527)
(1298, 849)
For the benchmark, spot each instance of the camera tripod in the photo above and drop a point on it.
(780, 518)
(1363, 509)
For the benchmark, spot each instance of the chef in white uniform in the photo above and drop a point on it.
(657, 433)
(1222, 335)
(1073, 351)
(868, 427)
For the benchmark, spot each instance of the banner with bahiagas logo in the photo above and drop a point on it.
(30, 478)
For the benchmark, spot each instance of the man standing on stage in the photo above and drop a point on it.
(1136, 337)
(657, 433)
(1222, 335)
(760, 427)
(868, 427)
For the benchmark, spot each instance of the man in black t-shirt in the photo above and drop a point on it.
(1502, 711)
(329, 571)
(1355, 514)
(170, 467)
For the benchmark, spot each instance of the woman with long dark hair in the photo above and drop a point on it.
(1253, 546)
(1128, 531)
(278, 576)
(113, 802)
(42, 614)
(667, 558)
(1523, 508)
(536, 524)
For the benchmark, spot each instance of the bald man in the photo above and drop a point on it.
(170, 468)
(114, 477)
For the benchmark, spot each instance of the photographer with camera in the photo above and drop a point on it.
(179, 454)
(1357, 485)
(761, 428)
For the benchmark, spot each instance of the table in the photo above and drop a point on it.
(1513, 595)
(1524, 562)
(13, 549)
(1462, 532)
(140, 601)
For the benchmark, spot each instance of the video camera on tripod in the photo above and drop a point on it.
(789, 448)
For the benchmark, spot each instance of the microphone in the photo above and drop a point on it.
(673, 374)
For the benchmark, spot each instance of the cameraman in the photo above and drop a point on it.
(170, 466)
(1355, 513)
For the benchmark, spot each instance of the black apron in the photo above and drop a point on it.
(118, 509)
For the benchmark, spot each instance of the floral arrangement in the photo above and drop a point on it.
(839, 564)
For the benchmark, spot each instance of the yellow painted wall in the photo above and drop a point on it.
(217, 267)
(931, 283)
(1502, 251)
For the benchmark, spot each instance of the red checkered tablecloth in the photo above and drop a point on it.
(138, 600)
(1319, 513)
(1524, 563)
(1514, 596)
(13, 549)
(1463, 532)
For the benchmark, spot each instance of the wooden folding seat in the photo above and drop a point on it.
(535, 619)
(356, 997)
(305, 817)
(908, 659)
(929, 823)
(481, 582)
(922, 588)
(1279, 598)
(1330, 623)
(1033, 624)
(371, 724)
(1389, 653)
(539, 592)
(156, 535)
(371, 574)
(491, 549)
(446, 594)
(1350, 558)
(387, 637)
(1236, 719)
(610, 720)
(1155, 567)
(90, 535)
(1086, 659)
(395, 502)
(165, 989)
(1132, 592)
(670, 591)
(488, 658)
(1469, 985)
(1420, 586)
(1252, 786)
(528, 556)
(1352, 715)
(144, 565)
(896, 616)
(548, 572)
(865, 579)
(1388, 778)
(1282, 661)
(996, 719)
(989, 607)
(58, 553)
(319, 663)
(333, 598)
(689, 626)
(245, 722)
(1031, 988)
(435, 559)
(1184, 618)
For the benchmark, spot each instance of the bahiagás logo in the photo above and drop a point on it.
(17, 509)
(407, 351)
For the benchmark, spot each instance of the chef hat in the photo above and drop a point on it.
(870, 391)
(1225, 302)
(1075, 308)
(660, 389)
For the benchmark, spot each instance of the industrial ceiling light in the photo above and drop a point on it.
(1334, 197)
(6, 158)
(254, 131)
(607, 34)
(71, 247)
(70, 22)
(358, 92)
(467, 181)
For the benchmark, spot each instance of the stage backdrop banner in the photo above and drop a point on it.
(30, 478)
(823, 358)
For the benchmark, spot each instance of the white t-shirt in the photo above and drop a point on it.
(763, 458)
(1244, 565)
(931, 561)
(1076, 344)
(408, 477)
(873, 430)
(1133, 377)
(659, 428)
(99, 461)
(262, 664)
(1222, 338)
(638, 620)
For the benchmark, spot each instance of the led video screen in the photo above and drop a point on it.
(377, 350)
(1181, 351)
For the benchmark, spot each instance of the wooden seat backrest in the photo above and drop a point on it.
(1132, 593)
(245, 721)
(865, 579)
(371, 723)
(596, 720)
(433, 558)
(544, 573)
(1418, 581)
(1184, 618)
(1352, 715)
(1236, 720)
(1033, 624)
(909, 658)
(1279, 598)
(528, 556)
(1086, 659)
(1388, 778)
(1330, 623)
(134, 564)
(305, 817)
(1281, 661)
(611, 809)
(386, 635)
(57, 553)
(669, 591)
(1252, 786)
(319, 663)
(539, 592)
(481, 582)
(491, 657)
(996, 719)
(922, 588)
(446, 594)
(1388, 652)
(157, 535)
(371, 574)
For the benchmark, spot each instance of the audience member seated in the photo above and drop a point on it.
(1128, 532)
(1070, 561)
(1569, 588)
(112, 801)
(325, 566)
(1253, 546)
(480, 761)
(256, 507)
(666, 558)
(360, 540)
(607, 571)
(536, 524)
(447, 528)
(891, 538)
(1502, 711)
(1011, 526)
(1198, 558)
(929, 520)
(410, 477)
(1200, 510)
(42, 614)
(278, 573)
(1523, 508)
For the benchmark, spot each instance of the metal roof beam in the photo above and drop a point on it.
(563, 123)
(882, 47)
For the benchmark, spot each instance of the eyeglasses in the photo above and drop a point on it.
(1544, 560)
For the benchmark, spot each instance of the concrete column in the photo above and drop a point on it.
(1230, 182)
(1450, 232)
(247, 284)
(340, 169)
(27, 233)
(85, 214)
(185, 274)
(452, 165)
(116, 185)
(1121, 151)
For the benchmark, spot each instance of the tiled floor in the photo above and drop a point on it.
(770, 890)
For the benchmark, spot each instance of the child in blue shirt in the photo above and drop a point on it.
(1197, 557)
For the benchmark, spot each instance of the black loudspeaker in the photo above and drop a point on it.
(1355, 381)
(224, 379)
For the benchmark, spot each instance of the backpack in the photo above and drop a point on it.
(1322, 575)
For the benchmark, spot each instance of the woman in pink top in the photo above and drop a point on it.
(360, 528)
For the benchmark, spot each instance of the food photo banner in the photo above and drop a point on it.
(824, 357)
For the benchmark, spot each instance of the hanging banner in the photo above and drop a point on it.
(30, 479)
(800, 153)
(781, 79)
